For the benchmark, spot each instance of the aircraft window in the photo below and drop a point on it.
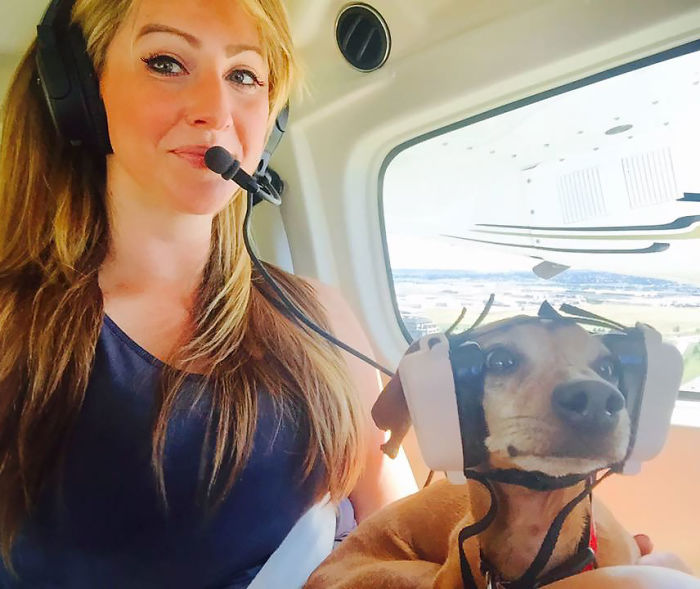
(588, 194)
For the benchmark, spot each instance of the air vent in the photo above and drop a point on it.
(650, 178)
(363, 37)
(581, 195)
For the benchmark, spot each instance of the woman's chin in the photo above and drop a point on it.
(203, 199)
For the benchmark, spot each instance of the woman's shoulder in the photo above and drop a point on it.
(341, 317)
(329, 296)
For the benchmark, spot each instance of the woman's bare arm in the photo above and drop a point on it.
(383, 480)
(629, 577)
(661, 570)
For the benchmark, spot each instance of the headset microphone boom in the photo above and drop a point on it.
(219, 160)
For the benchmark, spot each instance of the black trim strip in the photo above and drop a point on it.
(690, 197)
(680, 223)
(652, 249)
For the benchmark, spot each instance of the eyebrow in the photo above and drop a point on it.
(231, 50)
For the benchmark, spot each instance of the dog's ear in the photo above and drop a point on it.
(390, 412)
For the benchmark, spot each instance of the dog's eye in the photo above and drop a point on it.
(607, 369)
(501, 360)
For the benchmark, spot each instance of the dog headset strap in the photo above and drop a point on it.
(470, 531)
(583, 560)
(529, 578)
(536, 481)
(550, 540)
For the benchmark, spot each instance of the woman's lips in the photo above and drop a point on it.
(194, 157)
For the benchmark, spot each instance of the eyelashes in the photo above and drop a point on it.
(165, 65)
(239, 75)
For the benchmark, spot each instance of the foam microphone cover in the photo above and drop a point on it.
(219, 160)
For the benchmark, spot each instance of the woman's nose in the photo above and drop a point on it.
(209, 103)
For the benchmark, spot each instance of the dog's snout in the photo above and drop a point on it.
(588, 405)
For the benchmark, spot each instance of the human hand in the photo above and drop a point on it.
(661, 559)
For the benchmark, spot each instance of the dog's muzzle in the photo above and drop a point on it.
(588, 406)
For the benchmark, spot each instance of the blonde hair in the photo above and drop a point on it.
(54, 236)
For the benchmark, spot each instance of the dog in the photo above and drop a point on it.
(552, 405)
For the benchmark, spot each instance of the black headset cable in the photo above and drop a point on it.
(289, 305)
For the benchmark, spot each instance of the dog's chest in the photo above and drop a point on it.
(514, 540)
(514, 551)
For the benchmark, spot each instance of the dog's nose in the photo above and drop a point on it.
(588, 405)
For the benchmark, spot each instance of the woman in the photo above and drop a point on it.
(162, 423)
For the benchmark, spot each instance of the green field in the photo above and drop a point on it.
(691, 363)
(670, 321)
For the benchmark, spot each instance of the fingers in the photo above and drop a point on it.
(645, 544)
(661, 559)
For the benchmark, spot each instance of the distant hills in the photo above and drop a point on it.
(568, 278)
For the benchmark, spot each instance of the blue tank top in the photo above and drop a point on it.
(105, 525)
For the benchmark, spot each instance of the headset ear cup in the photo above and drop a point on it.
(96, 132)
(68, 80)
(467, 361)
(630, 352)
(429, 391)
(651, 375)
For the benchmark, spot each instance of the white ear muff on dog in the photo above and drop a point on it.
(651, 405)
(429, 389)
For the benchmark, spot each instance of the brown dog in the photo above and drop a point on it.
(551, 404)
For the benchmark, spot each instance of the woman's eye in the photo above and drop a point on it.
(244, 78)
(162, 64)
(607, 369)
(501, 360)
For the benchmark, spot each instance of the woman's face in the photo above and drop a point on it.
(179, 77)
